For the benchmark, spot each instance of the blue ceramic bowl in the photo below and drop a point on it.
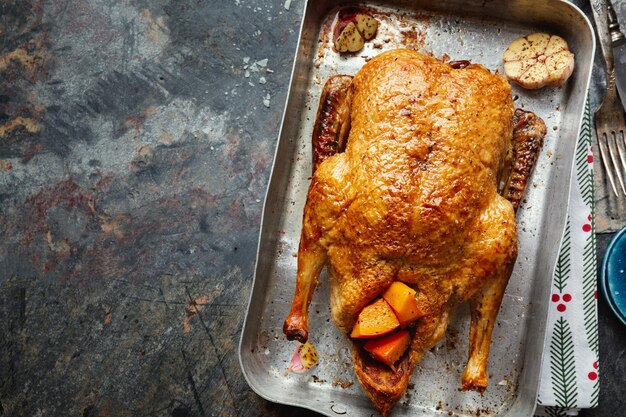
(613, 277)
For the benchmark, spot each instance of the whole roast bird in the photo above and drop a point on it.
(419, 166)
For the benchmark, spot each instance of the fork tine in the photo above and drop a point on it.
(621, 150)
(605, 160)
(612, 145)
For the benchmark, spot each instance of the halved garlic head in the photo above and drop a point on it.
(538, 60)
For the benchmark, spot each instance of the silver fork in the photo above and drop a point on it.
(609, 118)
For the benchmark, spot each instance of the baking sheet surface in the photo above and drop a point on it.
(331, 387)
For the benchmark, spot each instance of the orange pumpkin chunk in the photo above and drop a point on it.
(375, 320)
(388, 349)
(402, 300)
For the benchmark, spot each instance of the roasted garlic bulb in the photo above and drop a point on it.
(537, 60)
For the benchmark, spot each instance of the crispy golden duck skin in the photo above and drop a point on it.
(413, 198)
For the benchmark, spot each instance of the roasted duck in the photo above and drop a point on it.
(418, 168)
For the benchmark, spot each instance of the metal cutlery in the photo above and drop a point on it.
(619, 52)
(609, 118)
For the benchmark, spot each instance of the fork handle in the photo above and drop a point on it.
(617, 37)
(600, 16)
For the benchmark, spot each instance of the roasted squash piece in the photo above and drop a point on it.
(389, 348)
(401, 298)
(375, 320)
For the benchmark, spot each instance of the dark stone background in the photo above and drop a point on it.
(134, 156)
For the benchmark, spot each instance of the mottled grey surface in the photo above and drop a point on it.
(136, 139)
(134, 154)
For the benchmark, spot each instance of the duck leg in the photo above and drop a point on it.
(484, 308)
(311, 259)
(528, 133)
(332, 124)
(330, 134)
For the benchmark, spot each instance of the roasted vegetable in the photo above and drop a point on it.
(375, 320)
(538, 60)
(354, 26)
(349, 39)
(304, 358)
(388, 349)
(366, 25)
(401, 298)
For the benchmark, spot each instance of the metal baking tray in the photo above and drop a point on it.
(479, 31)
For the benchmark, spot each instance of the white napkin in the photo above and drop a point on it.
(569, 376)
